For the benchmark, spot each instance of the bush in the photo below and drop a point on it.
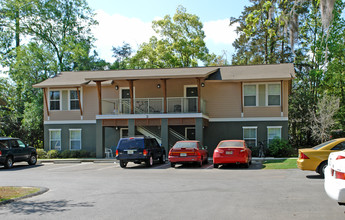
(41, 154)
(75, 154)
(279, 148)
(53, 154)
(84, 154)
(65, 154)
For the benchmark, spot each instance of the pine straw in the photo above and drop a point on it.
(10, 192)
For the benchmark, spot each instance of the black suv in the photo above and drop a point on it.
(139, 149)
(14, 150)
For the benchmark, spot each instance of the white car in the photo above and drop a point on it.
(335, 177)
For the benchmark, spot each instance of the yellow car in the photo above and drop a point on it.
(315, 159)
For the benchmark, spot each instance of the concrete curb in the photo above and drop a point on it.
(41, 191)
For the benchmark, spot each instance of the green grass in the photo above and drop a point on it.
(8, 192)
(280, 164)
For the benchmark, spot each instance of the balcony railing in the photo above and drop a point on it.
(152, 105)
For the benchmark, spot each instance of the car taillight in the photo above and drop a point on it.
(170, 153)
(145, 152)
(340, 157)
(219, 151)
(197, 153)
(0, 153)
(332, 172)
(339, 175)
(242, 151)
(303, 156)
(117, 152)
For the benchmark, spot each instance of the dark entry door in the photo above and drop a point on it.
(192, 99)
(190, 133)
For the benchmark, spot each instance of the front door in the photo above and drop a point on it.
(190, 133)
(125, 102)
(192, 99)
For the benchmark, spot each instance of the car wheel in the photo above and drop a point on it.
(215, 165)
(172, 164)
(149, 162)
(200, 163)
(32, 160)
(162, 159)
(322, 168)
(246, 165)
(9, 162)
(206, 161)
(123, 164)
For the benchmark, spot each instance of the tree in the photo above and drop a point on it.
(180, 43)
(122, 55)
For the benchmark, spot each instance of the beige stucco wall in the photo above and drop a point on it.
(223, 99)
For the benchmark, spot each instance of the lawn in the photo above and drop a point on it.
(9, 192)
(280, 164)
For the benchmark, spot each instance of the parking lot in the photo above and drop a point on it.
(106, 191)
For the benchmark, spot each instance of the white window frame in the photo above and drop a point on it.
(266, 95)
(50, 140)
(268, 127)
(60, 101)
(121, 132)
(256, 134)
(80, 97)
(70, 139)
(185, 89)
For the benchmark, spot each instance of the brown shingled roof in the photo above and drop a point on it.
(224, 73)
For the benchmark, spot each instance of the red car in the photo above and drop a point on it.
(188, 152)
(232, 151)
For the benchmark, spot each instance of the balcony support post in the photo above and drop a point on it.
(131, 94)
(165, 95)
(99, 92)
(199, 95)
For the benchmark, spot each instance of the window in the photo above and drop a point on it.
(250, 136)
(340, 146)
(54, 97)
(273, 94)
(55, 139)
(274, 132)
(75, 139)
(249, 95)
(267, 94)
(73, 99)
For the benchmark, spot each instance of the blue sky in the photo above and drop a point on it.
(130, 21)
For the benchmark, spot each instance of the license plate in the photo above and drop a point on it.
(130, 151)
(183, 154)
(229, 152)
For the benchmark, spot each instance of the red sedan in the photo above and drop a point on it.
(232, 151)
(188, 152)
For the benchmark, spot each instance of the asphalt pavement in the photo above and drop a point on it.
(90, 190)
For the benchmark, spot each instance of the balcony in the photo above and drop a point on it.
(175, 105)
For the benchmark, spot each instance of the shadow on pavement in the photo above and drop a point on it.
(316, 176)
(17, 167)
(41, 208)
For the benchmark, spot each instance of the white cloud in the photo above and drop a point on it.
(219, 32)
(114, 29)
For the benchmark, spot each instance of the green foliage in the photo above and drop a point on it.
(76, 154)
(41, 154)
(52, 154)
(279, 148)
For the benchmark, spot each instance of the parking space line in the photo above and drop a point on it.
(75, 165)
(209, 167)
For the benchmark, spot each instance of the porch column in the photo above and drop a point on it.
(165, 95)
(131, 94)
(80, 107)
(241, 99)
(199, 95)
(99, 139)
(165, 134)
(131, 127)
(281, 99)
(99, 92)
(199, 130)
(46, 102)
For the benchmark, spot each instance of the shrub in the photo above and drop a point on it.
(41, 154)
(279, 148)
(75, 154)
(84, 154)
(53, 154)
(65, 154)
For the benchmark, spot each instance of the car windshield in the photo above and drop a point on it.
(186, 145)
(322, 145)
(230, 144)
(129, 143)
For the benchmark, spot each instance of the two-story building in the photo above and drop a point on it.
(92, 110)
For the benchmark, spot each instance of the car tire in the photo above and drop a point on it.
(123, 164)
(162, 159)
(215, 165)
(200, 163)
(172, 164)
(206, 161)
(9, 162)
(246, 165)
(32, 159)
(322, 168)
(149, 162)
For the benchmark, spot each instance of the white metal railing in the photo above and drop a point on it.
(152, 105)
